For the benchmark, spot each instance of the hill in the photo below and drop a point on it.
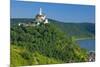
(43, 44)
(78, 30)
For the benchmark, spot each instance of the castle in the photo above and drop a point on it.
(40, 18)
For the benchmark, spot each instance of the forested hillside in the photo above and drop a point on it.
(78, 30)
(43, 44)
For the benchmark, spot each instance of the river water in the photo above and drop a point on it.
(88, 44)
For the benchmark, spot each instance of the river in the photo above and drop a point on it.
(88, 44)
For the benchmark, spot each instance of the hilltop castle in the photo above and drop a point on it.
(39, 18)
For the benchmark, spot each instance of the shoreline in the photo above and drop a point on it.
(84, 38)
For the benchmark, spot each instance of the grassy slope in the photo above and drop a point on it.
(17, 59)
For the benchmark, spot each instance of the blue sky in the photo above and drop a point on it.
(60, 12)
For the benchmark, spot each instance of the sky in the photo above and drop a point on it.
(60, 12)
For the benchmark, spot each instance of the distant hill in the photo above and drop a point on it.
(78, 30)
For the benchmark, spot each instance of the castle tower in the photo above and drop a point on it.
(40, 12)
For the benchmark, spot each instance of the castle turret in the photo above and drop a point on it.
(40, 12)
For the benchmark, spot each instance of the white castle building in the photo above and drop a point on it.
(40, 18)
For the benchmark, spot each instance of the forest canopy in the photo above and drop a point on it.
(43, 44)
